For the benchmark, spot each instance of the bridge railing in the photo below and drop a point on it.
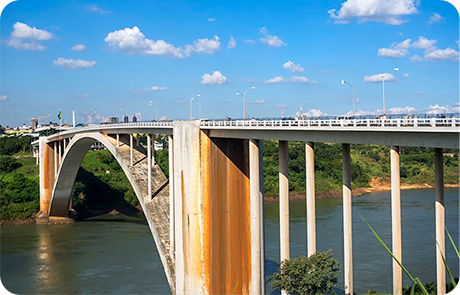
(413, 122)
(160, 124)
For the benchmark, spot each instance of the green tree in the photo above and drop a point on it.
(303, 275)
(8, 164)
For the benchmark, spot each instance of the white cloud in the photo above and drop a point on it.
(272, 41)
(379, 78)
(211, 19)
(295, 68)
(95, 118)
(280, 106)
(415, 58)
(405, 75)
(315, 113)
(258, 101)
(276, 79)
(387, 11)
(73, 64)
(294, 79)
(442, 54)
(96, 9)
(150, 89)
(215, 79)
(133, 41)
(78, 47)
(435, 18)
(231, 43)
(249, 41)
(139, 116)
(83, 95)
(424, 43)
(402, 110)
(22, 32)
(397, 50)
(436, 109)
(3, 97)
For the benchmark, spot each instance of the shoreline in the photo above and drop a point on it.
(375, 187)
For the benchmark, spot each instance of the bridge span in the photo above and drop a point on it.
(207, 219)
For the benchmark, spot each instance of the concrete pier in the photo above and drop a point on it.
(311, 216)
(149, 163)
(440, 222)
(284, 200)
(396, 220)
(347, 220)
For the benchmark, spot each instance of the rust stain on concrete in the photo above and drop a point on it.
(227, 220)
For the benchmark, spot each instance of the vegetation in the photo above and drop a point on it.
(10, 145)
(316, 274)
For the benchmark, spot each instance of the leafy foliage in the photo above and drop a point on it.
(10, 145)
(316, 274)
(8, 164)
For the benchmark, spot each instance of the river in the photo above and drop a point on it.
(115, 254)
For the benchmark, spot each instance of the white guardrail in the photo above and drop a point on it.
(416, 122)
(386, 123)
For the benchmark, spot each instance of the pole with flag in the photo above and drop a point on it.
(59, 117)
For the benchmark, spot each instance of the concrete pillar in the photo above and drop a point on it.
(396, 220)
(131, 149)
(47, 175)
(347, 219)
(440, 221)
(153, 150)
(137, 140)
(256, 219)
(65, 144)
(60, 152)
(118, 140)
(284, 201)
(261, 206)
(55, 159)
(171, 193)
(149, 164)
(311, 217)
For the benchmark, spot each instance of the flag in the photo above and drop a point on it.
(59, 115)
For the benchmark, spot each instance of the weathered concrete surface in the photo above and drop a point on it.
(227, 230)
(155, 207)
(46, 155)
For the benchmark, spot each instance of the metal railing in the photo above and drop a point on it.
(414, 122)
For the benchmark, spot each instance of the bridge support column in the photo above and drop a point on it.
(171, 194)
(213, 211)
(347, 219)
(396, 220)
(257, 277)
(47, 176)
(149, 164)
(440, 222)
(310, 181)
(118, 140)
(284, 201)
(60, 152)
(137, 140)
(131, 149)
(55, 159)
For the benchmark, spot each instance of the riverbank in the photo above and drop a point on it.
(375, 186)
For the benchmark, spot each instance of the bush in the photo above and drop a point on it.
(316, 274)
(8, 164)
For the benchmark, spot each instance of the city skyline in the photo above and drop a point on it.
(112, 58)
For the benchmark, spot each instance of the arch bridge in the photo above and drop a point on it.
(207, 220)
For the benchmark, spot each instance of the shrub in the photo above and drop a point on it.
(316, 274)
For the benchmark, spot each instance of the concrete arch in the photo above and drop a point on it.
(65, 179)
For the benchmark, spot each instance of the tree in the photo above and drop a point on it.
(8, 164)
(303, 275)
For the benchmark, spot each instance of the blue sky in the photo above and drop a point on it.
(128, 53)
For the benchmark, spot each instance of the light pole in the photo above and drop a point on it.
(191, 99)
(383, 86)
(245, 105)
(156, 110)
(343, 82)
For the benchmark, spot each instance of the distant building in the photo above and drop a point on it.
(33, 123)
(113, 120)
(134, 119)
(157, 145)
(125, 119)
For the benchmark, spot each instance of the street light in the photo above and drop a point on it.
(191, 99)
(343, 82)
(245, 105)
(383, 85)
(156, 110)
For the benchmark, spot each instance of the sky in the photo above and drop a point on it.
(149, 58)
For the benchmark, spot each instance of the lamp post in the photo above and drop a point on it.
(191, 99)
(343, 82)
(383, 86)
(245, 105)
(156, 110)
